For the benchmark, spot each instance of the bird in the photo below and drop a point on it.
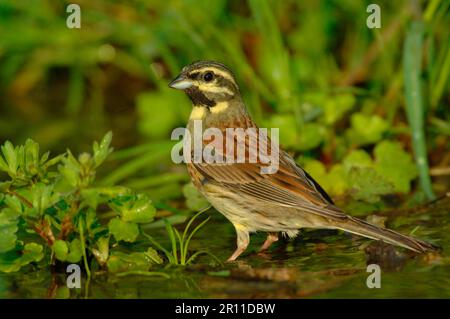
(282, 202)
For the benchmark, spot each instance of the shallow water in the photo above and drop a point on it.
(317, 264)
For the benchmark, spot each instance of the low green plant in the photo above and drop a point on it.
(178, 255)
(49, 212)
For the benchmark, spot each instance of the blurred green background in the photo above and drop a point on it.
(358, 107)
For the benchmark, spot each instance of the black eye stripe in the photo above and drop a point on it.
(193, 75)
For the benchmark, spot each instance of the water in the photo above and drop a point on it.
(318, 264)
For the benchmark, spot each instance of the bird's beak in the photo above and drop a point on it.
(181, 82)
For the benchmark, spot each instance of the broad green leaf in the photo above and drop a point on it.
(123, 230)
(134, 208)
(366, 129)
(93, 196)
(334, 182)
(61, 249)
(12, 262)
(288, 129)
(311, 136)
(336, 106)
(42, 196)
(357, 158)
(8, 230)
(121, 262)
(75, 251)
(194, 199)
(70, 252)
(70, 169)
(396, 165)
(367, 184)
(338, 180)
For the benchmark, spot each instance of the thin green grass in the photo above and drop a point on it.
(178, 255)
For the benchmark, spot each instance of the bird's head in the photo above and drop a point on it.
(207, 83)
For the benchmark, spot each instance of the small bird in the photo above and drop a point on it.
(285, 201)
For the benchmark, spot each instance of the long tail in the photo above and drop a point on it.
(362, 228)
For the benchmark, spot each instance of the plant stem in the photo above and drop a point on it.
(83, 248)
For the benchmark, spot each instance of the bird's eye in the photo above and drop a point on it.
(208, 76)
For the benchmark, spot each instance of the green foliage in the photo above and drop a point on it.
(366, 129)
(194, 200)
(137, 261)
(56, 203)
(14, 260)
(393, 163)
(315, 71)
(122, 230)
(367, 179)
(178, 255)
(70, 252)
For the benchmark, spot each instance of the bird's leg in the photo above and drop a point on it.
(243, 239)
(271, 238)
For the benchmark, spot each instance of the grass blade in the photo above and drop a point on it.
(173, 240)
(157, 245)
(412, 58)
(196, 229)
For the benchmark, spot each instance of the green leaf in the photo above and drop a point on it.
(61, 249)
(334, 182)
(288, 129)
(102, 151)
(134, 208)
(367, 184)
(70, 169)
(10, 155)
(8, 230)
(123, 230)
(395, 165)
(336, 106)
(311, 136)
(12, 262)
(31, 157)
(101, 253)
(75, 251)
(366, 129)
(357, 158)
(121, 262)
(152, 254)
(71, 252)
(42, 196)
(3, 165)
(338, 180)
(194, 199)
(93, 196)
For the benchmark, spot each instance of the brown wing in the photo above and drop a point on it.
(290, 186)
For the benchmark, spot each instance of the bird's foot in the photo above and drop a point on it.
(236, 254)
(271, 238)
